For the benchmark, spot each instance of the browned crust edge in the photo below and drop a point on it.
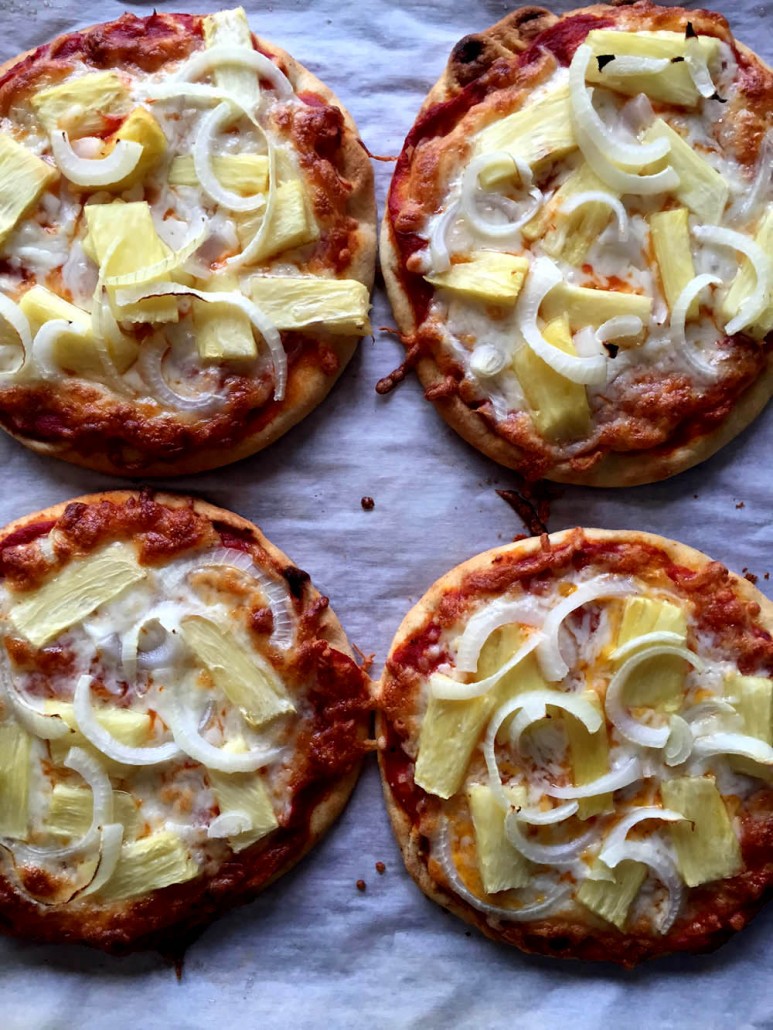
(310, 389)
(509, 36)
(408, 838)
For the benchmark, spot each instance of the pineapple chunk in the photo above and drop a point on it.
(140, 127)
(590, 757)
(591, 307)
(246, 174)
(23, 177)
(336, 305)
(501, 866)
(231, 28)
(612, 898)
(706, 847)
(671, 242)
(128, 727)
(122, 238)
(701, 188)
(569, 236)
(542, 130)
(149, 864)
(451, 729)
(659, 680)
(223, 332)
(292, 224)
(81, 106)
(15, 744)
(245, 792)
(247, 680)
(746, 280)
(754, 703)
(673, 85)
(70, 811)
(76, 591)
(487, 275)
(72, 351)
(559, 407)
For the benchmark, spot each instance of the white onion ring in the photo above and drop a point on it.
(698, 67)
(34, 720)
(196, 93)
(734, 744)
(619, 327)
(109, 854)
(448, 689)
(43, 345)
(259, 320)
(660, 636)
(754, 305)
(679, 743)
(229, 824)
(151, 367)
(543, 276)
(679, 316)
(94, 173)
(526, 912)
(546, 817)
(211, 124)
(440, 259)
(17, 320)
(184, 726)
(616, 709)
(627, 772)
(205, 61)
(558, 855)
(620, 831)
(486, 621)
(105, 742)
(471, 193)
(599, 197)
(660, 864)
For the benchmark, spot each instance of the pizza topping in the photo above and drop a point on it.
(652, 854)
(149, 864)
(682, 305)
(671, 242)
(747, 281)
(541, 131)
(701, 187)
(755, 303)
(211, 125)
(472, 198)
(697, 64)
(81, 105)
(705, 843)
(335, 305)
(486, 275)
(601, 197)
(15, 745)
(23, 179)
(95, 173)
(245, 797)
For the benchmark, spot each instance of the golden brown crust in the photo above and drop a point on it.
(322, 360)
(168, 919)
(715, 911)
(475, 60)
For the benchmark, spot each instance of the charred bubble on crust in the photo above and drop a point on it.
(296, 580)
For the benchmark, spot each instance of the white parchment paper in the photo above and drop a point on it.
(314, 951)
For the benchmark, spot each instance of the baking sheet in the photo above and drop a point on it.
(314, 950)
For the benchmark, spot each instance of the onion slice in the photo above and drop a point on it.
(105, 742)
(542, 277)
(600, 197)
(205, 61)
(546, 817)
(183, 722)
(440, 259)
(627, 772)
(679, 743)
(649, 854)
(698, 67)
(110, 853)
(88, 767)
(43, 345)
(151, 367)
(603, 151)
(565, 853)
(617, 835)
(197, 94)
(661, 636)
(34, 720)
(628, 64)
(94, 173)
(553, 666)
(471, 194)
(203, 150)
(630, 728)
(754, 305)
(259, 320)
(619, 327)
(11, 313)
(448, 689)
(486, 621)
(527, 911)
(168, 264)
(679, 316)
(229, 824)
(734, 744)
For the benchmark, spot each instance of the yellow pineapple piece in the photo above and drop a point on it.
(672, 85)
(140, 127)
(78, 589)
(501, 866)
(558, 406)
(149, 864)
(585, 306)
(245, 792)
(487, 275)
(23, 178)
(292, 224)
(223, 333)
(231, 28)
(81, 105)
(590, 757)
(706, 846)
(336, 305)
(15, 745)
(245, 174)
(701, 187)
(671, 242)
(612, 898)
(247, 680)
(659, 680)
(746, 280)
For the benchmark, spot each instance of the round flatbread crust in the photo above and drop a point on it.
(472, 57)
(152, 927)
(308, 384)
(543, 937)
